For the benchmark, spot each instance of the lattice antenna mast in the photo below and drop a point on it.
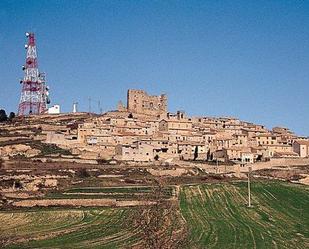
(34, 94)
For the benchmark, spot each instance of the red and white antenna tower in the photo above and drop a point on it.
(34, 94)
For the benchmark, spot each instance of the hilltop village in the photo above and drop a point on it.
(141, 161)
(140, 172)
(144, 131)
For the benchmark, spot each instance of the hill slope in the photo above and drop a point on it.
(218, 217)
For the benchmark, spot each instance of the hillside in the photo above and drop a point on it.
(216, 216)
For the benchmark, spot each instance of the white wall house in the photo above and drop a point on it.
(55, 109)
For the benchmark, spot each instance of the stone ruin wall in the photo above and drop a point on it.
(138, 101)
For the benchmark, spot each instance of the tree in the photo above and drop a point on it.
(17, 184)
(11, 116)
(3, 116)
(195, 153)
(160, 225)
(208, 155)
(82, 173)
(156, 157)
(211, 157)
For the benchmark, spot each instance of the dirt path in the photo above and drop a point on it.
(80, 202)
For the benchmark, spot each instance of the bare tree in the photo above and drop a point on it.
(195, 153)
(160, 225)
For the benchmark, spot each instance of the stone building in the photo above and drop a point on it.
(301, 147)
(138, 101)
(144, 131)
(236, 153)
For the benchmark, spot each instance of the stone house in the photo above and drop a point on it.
(239, 154)
(301, 147)
(266, 139)
(134, 152)
(278, 148)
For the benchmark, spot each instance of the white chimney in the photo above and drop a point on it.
(75, 107)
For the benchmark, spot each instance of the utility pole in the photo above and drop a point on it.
(89, 99)
(217, 166)
(249, 190)
(99, 107)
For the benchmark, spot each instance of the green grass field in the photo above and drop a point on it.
(70, 228)
(218, 217)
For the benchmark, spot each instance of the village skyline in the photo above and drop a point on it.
(213, 59)
(154, 124)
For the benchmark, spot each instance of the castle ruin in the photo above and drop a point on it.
(138, 101)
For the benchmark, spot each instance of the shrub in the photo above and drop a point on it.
(11, 116)
(82, 173)
(102, 161)
(3, 116)
(47, 149)
(18, 184)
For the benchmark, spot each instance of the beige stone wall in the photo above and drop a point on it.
(179, 125)
(277, 162)
(278, 148)
(301, 149)
(241, 140)
(61, 139)
(138, 101)
(135, 152)
(163, 125)
(266, 139)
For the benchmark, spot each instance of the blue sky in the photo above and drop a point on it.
(248, 59)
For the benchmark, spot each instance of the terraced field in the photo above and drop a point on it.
(119, 193)
(70, 228)
(75, 227)
(217, 215)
